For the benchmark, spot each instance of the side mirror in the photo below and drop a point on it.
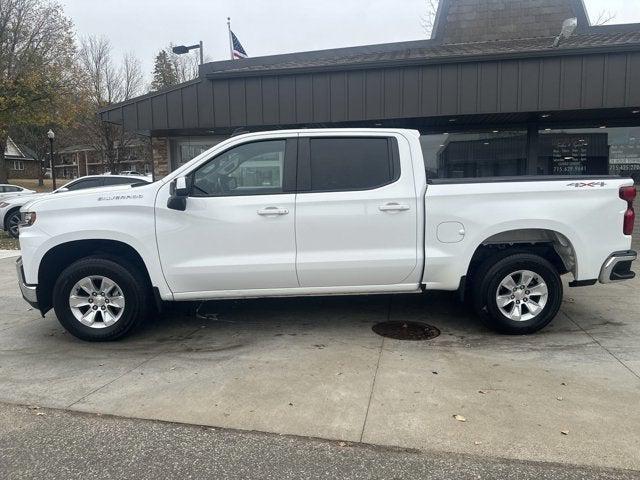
(179, 190)
(62, 189)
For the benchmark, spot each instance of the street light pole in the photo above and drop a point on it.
(182, 49)
(51, 136)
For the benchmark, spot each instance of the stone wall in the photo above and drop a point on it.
(161, 164)
(485, 20)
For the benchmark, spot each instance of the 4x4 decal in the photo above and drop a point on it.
(586, 184)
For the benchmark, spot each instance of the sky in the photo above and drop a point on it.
(265, 27)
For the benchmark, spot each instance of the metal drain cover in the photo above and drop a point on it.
(406, 330)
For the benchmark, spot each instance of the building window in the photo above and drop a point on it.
(475, 154)
(18, 165)
(184, 149)
(590, 151)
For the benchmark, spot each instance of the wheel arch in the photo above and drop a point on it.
(61, 256)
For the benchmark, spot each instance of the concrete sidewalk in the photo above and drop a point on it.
(313, 367)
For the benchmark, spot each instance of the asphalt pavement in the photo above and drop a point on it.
(39, 443)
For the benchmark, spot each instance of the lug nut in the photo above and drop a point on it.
(95, 294)
(106, 300)
(91, 300)
(526, 292)
(521, 287)
(512, 297)
(525, 299)
(95, 307)
(103, 307)
(517, 302)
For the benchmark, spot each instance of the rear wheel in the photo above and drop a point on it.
(98, 299)
(12, 223)
(517, 293)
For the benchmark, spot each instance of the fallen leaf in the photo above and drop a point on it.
(435, 373)
(564, 432)
(482, 392)
(477, 443)
(559, 399)
(342, 444)
(460, 418)
(40, 414)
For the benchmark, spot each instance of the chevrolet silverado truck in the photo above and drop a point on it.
(321, 212)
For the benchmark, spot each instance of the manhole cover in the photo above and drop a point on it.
(406, 330)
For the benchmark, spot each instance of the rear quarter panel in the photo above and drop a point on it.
(590, 217)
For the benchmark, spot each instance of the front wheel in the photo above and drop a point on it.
(517, 294)
(98, 299)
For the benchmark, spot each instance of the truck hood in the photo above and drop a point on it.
(120, 194)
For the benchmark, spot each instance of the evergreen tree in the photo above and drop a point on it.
(164, 73)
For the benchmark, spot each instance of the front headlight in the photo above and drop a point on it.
(27, 219)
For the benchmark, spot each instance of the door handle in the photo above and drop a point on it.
(393, 207)
(272, 211)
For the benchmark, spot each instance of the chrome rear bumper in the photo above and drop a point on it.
(618, 267)
(28, 291)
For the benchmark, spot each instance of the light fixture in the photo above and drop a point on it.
(442, 144)
(495, 131)
(446, 133)
(635, 112)
(377, 124)
(545, 115)
(453, 119)
(547, 129)
(603, 126)
(486, 143)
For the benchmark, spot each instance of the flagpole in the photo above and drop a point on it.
(230, 40)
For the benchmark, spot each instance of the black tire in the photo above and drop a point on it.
(11, 223)
(135, 289)
(487, 282)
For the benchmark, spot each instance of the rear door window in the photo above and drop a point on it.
(86, 183)
(343, 164)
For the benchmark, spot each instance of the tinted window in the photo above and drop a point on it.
(351, 163)
(121, 181)
(12, 189)
(86, 183)
(249, 169)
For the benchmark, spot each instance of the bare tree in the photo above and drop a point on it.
(427, 20)
(604, 17)
(106, 82)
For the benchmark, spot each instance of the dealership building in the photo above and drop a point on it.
(495, 91)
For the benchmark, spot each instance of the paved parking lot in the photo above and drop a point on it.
(313, 367)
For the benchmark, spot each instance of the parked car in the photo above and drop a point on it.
(10, 207)
(7, 190)
(322, 212)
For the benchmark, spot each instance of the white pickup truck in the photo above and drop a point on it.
(321, 212)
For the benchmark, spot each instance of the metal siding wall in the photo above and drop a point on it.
(593, 81)
(190, 106)
(529, 84)
(411, 92)
(174, 109)
(468, 88)
(304, 99)
(221, 100)
(270, 112)
(430, 90)
(355, 95)
(320, 85)
(615, 80)
(159, 112)
(571, 68)
(237, 102)
(287, 94)
(253, 94)
(205, 104)
(338, 97)
(509, 86)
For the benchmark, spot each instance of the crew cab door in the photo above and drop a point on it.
(356, 211)
(237, 230)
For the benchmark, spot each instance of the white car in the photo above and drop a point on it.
(322, 212)
(10, 206)
(7, 191)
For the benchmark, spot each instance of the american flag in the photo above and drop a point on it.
(238, 51)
